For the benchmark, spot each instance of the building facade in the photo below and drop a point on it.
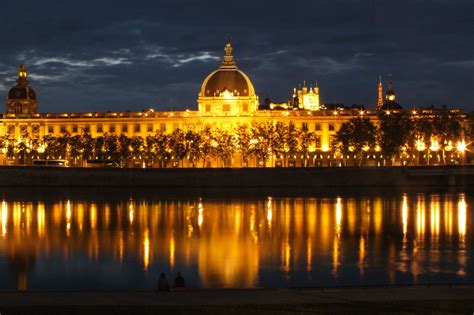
(227, 100)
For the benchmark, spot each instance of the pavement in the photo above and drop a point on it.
(457, 299)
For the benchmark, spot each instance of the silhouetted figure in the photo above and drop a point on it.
(179, 282)
(163, 284)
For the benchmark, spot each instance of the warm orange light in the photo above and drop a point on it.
(420, 145)
(4, 217)
(405, 215)
(449, 146)
(146, 250)
(434, 145)
(461, 146)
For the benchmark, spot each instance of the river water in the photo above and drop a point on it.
(123, 241)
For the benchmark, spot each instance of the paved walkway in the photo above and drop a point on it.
(426, 299)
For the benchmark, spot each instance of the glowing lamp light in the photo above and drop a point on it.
(227, 94)
(420, 145)
(378, 149)
(461, 146)
(312, 148)
(449, 146)
(325, 148)
(366, 148)
(434, 145)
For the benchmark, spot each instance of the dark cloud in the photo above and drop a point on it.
(118, 55)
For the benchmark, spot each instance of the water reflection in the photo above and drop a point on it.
(273, 242)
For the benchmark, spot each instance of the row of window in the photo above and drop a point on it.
(112, 128)
(226, 108)
(99, 128)
(125, 128)
(318, 126)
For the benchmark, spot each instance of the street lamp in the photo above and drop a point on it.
(461, 147)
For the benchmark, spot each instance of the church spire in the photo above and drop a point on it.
(380, 93)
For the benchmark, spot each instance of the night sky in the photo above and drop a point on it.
(131, 55)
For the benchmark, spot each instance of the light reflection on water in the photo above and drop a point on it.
(271, 242)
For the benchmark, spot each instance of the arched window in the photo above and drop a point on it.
(17, 108)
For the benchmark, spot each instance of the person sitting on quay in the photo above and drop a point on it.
(163, 284)
(179, 282)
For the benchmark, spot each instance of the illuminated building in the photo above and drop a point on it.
(226, 101)
(307, 99)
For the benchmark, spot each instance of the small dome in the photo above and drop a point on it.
(391, 106)
(227, 77)
(22, 90)
(19, 92)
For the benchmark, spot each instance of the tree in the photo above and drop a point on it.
(395, 133)
(87, 146)
(223, 146)
(242, 143)
(51, 149)
(75, 145)
(279, 141)
(99, 150)
(111, 147)
(22, 152)
(261, 142)
(356, 137)
(163, 151)
(193, 146)
(178, 145)
(447, 130)
(206, 145)
(306, 140)
(124, 149)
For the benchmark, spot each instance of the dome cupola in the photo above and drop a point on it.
(22, 97)
(227, 90)
(390, 97)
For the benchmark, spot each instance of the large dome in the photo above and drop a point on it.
(227, 77)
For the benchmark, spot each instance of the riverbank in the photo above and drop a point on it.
(416, 299)
(217, 178)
